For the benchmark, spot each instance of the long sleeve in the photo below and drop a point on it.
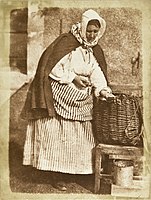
(98, 79)
(63, 72)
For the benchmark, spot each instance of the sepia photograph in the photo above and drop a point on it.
(75, 99)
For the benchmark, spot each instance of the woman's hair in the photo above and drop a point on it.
(94, 22)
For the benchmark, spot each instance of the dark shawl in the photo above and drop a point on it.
(39, 101)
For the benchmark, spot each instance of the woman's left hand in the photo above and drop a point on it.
(105, 94)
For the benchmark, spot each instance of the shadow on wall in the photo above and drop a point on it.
(18, 40)
(17, 134)
(17, 126)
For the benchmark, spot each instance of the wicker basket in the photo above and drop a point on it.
(119, 121)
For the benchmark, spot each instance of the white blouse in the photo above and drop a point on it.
(79, 62)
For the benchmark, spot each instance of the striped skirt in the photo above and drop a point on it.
(60, 145)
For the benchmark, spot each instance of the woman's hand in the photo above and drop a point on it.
(107, 94)
(81, 82)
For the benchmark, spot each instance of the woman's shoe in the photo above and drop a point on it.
(60, 186)
(58, 181)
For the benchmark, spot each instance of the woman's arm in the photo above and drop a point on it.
(98, 80)
(63, 71)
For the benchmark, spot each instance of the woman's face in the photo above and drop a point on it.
(91, 32)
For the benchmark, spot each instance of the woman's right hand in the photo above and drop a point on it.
(81, 82)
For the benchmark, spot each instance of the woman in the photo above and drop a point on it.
(59, 103)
